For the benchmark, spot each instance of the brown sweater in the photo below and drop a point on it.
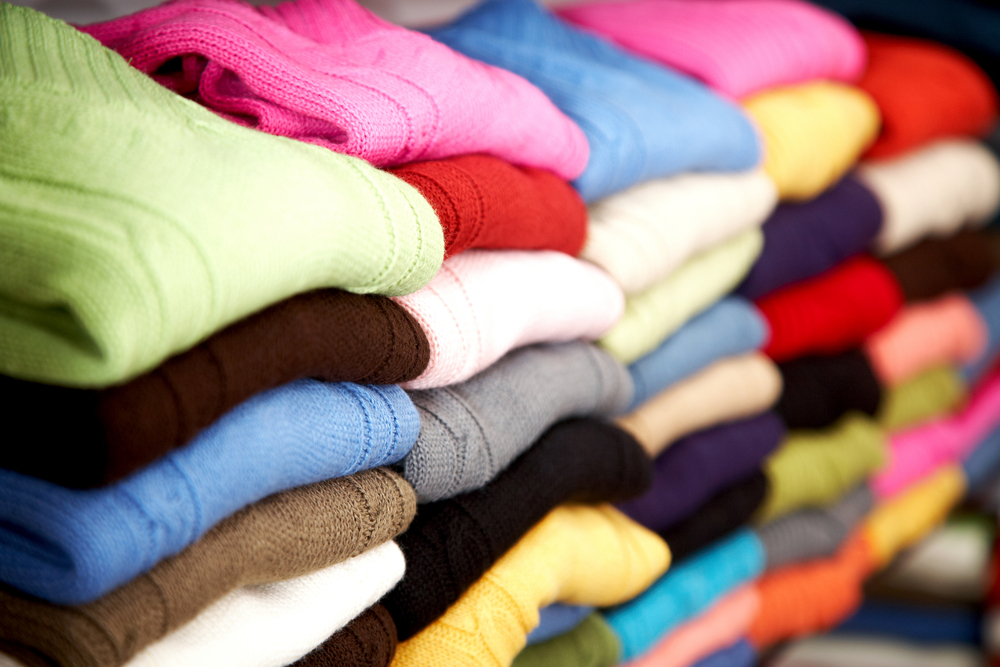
(285, 535)
(367, 641)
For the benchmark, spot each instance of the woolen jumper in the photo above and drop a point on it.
(286, 535)
(485, 202)
(730, 327)
(558, 619)
(986, 299)
(471, 431)
(453, 542)
(737, 48)
(332, 73)
(273, 625)
(832, 312)
(695, 468)
(813, 134)
(803, 239)
(723, 513)
(819, 390)
(740, 654)
(963, 261)
(730, 389)
(814, 532)
(71, 547)
(218, 221)
(367, 641)
(982, 465)
(644, 233)
(935, 190)
(590, 644)
(102, 436)
(577, 554)
(642, 121)
(484, 303)
(920, 627)
(662, 309)
(930, 395)
(924, 91)
(685, 591)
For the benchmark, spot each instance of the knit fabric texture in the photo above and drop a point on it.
(453, 542)
(641, 235)
(720, 515)
(642, 121)
(804, 239)
(216, 220)
(833, 312)
(686, 591)
(986, 299)
(819, 390)
(723, 623)
(915, 453)
(963, 261)
(332, 73)
(932, 394)
(813, 133)
(70, 547)
(924, 91)
(484, 303)
(577, 554)
(933, 191)
(471, 431)
(485, 202)
(730, 389)
(816, 468)
(590, 644)
(814, 532)
(286, 535)
(730, 327)
(272, 625)
(558, 619)
(367, 641)
(948, 330)
(662, 309)
(103, 436)
(692, 470)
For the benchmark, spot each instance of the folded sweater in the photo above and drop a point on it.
(215, 220)
(819, 390)
(367, 641)
(934, 266)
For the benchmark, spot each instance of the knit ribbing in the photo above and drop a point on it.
(577, 554)
(819, 390)
(103, 436)
(641, 120)
(286, 535)
(332, 73)
(484, 303)
(803, 239)
(832, 312)
(641, 235)
(815, 532)
(471, 431)
(729, 328)
(453, 542)
(367, 641)
(737, 48)
(933, 267)
(692, 470)
(215, 220)
(663, 308)
(932, 394)
(484, 202)
(813, 133)
(816, 468)
(933, 191)
(730, 389)
(591, 644)
(71, 546)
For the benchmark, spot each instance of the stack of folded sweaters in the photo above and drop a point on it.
(645, 331)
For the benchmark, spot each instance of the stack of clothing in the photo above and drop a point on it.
(641, 332)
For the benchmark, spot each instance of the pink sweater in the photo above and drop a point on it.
(332, 73)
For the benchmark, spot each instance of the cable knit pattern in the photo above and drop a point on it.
(471, 431)
(332, 73)
(70, 547)
(641, 235)
(737, 48)
(484, 303)
(641, 120)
